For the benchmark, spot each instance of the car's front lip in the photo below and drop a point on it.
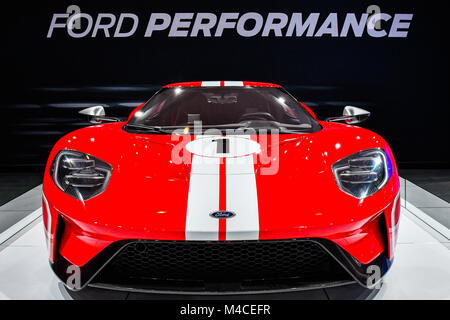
(184, 291)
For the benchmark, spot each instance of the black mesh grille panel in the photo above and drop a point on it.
(222, 261)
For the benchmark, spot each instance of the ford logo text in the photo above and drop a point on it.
(222, 214)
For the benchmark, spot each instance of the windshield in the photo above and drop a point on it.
(255, 107)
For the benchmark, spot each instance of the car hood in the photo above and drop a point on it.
(288, 184)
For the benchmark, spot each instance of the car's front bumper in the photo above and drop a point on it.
(375, 238)
(321, 263)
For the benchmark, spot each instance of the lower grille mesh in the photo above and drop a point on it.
(222, 260)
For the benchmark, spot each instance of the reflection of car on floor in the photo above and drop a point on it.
(223, 186)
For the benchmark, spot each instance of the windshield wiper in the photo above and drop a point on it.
(242, 125)
(257, 124)
(303, 126)
(145, 128)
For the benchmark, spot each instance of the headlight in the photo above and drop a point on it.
(80, 175)
(363, 173)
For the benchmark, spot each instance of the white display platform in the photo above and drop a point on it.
(421, 269)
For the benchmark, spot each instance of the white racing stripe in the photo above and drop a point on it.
(210, 83)
(225, 83)
(242, 199)
(203, 198)
(233, 83)
(204, 194)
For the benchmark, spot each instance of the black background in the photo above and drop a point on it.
(403, 81)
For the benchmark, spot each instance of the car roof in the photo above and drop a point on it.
(222, 84)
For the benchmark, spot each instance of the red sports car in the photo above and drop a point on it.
(221, 187)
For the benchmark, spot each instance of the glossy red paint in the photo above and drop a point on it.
(184, 84)
(260, 84)
(134, 111)
(222, 198)
(146, 197)
(309, 110)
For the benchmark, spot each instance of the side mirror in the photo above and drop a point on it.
(351, 115)
(97, 115)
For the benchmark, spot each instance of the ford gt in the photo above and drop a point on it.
(221, 187)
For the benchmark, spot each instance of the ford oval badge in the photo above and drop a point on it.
(222, 214)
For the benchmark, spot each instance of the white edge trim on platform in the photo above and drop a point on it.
(443, 230)
(11, 231)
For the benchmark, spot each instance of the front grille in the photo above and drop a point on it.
(222, 261)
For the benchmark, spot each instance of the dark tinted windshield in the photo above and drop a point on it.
(212, 106)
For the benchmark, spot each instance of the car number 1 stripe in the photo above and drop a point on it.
(225, 184)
